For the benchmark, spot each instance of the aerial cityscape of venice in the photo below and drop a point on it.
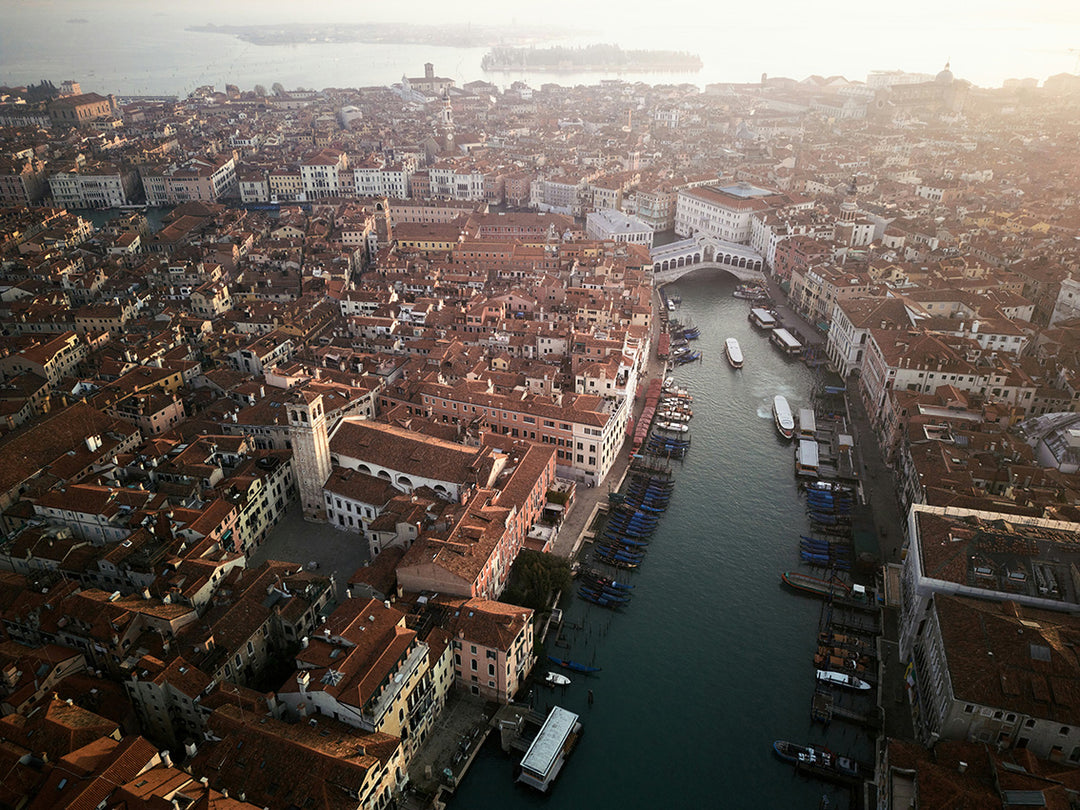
(511, 407)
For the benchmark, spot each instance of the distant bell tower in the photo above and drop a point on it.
(848, 208)
(311, 451)
(429, 70)
(447, 121)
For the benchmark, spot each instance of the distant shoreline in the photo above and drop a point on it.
(591, 58)
(452, 36)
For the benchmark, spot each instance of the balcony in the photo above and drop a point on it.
(374, 711)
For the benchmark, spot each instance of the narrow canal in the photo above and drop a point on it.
(711, 661)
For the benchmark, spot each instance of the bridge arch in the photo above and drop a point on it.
(676, 259)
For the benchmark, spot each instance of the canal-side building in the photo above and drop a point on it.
(366, 668)
(492, 645)
(849, 331)
(199, 178)
(94, 185)
(586, 430)
(816, 290)
(986, 555)
(727, 212)
(989, 612)
(997, 673)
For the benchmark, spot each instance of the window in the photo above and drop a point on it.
(473, 665)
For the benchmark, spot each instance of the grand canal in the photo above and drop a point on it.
(711, 661)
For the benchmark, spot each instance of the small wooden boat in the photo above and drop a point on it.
(815, 585)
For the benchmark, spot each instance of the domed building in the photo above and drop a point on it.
(945, 94)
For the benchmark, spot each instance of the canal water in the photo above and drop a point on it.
(712, 659)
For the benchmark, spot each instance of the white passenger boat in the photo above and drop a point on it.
(785, 423)
(556, 679)
(673, 416)
(673, 427)
(842, 679)
(734, 353)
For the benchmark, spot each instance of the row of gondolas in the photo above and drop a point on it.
(829, 506)
(631, 523)
(681, 351)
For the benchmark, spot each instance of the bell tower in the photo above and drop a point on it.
(311, 451)
(447, 122)
(848, 208)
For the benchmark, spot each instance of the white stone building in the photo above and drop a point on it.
(609, 224)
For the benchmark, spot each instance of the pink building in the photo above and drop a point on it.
(493, 646)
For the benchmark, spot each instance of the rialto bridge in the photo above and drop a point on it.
(701, 252)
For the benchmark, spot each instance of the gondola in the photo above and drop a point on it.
(614, 562)
(573, 666)
(596, 576)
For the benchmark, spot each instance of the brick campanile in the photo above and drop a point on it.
(311, 452)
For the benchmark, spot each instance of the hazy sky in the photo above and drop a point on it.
(987, 42)
(817, 17)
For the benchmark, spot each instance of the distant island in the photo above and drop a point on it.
(454, 36)
(589, 57)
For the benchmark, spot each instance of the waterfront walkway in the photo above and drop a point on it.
(588, 498)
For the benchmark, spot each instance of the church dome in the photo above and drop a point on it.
(945, 76)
